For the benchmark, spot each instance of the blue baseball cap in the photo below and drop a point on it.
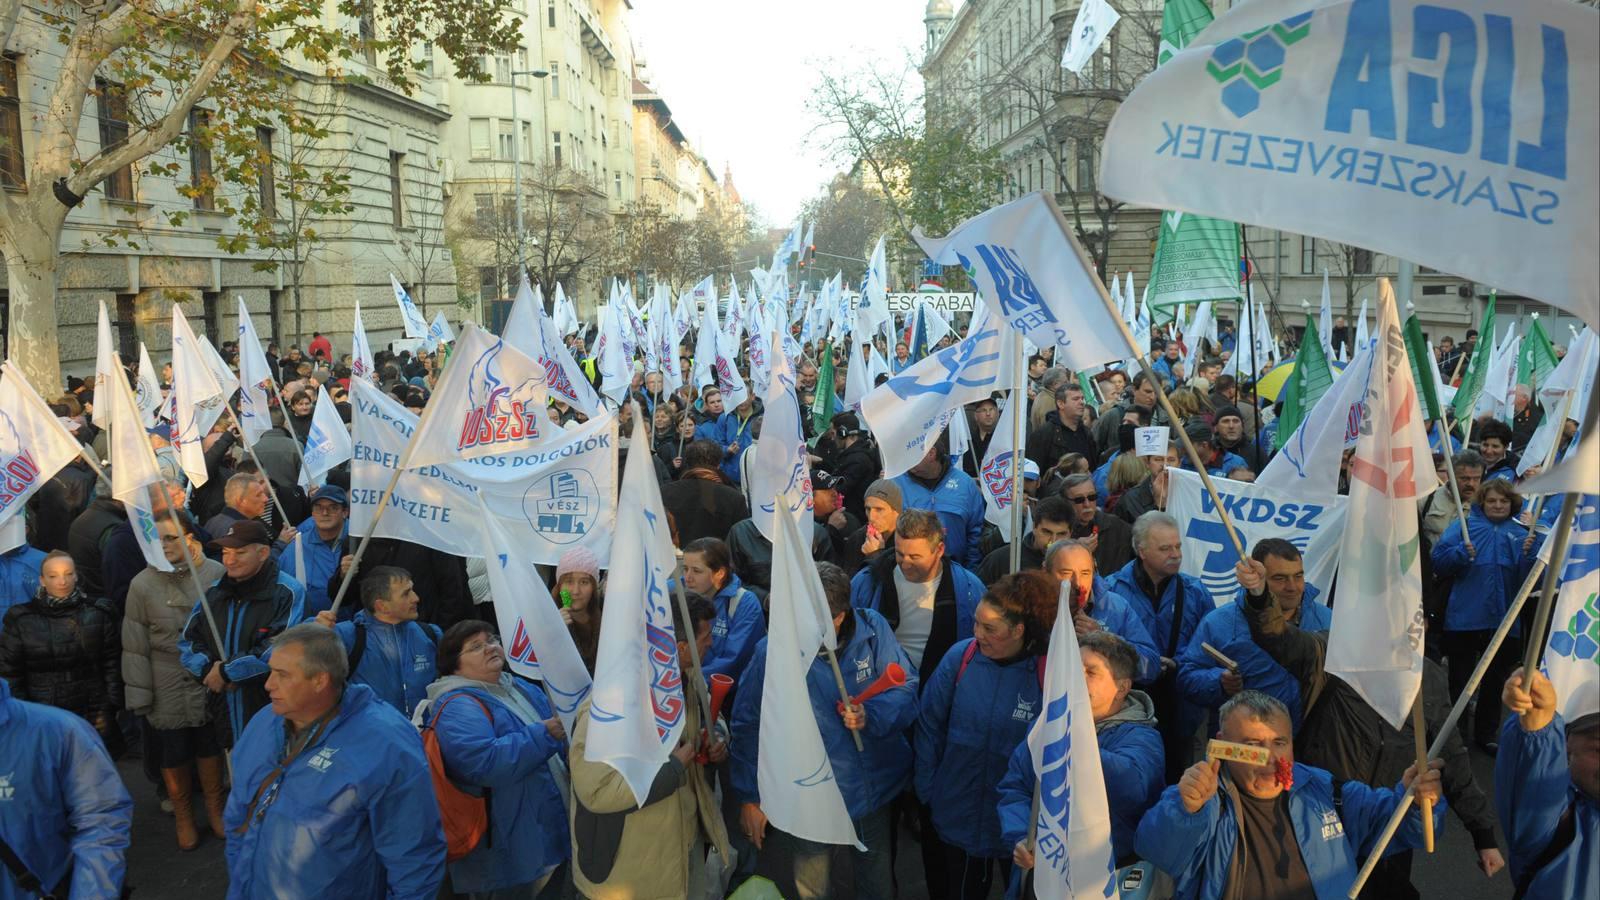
(330, 492)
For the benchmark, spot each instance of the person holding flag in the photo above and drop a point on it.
(1547, 787)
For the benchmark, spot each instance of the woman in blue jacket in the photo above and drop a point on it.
(1486, 578)
(708, 571)
(975, 709)
(498, 735)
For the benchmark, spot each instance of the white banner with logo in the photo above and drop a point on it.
(548, 499)
(1257, 512)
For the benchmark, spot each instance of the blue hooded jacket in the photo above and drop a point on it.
(1225, 628)
(728, 431)
(322, 560)
(1116, 616)
(19, 575)
(969, 723)
(398, 661)
(1532, 788)
(64, 803)
(527, 816)
(352, 816)
(867, 778)
(1485, 584)
(734, 632)
(1198, 849)
(1157, 619)
(958, 503)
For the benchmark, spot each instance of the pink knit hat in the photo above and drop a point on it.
(579, 560)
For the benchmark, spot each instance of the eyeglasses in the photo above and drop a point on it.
(1084, 498)
(492, 640)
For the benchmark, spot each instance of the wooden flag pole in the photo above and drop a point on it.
(844, 692)
(697, 675)
(1547, 597)
(1419, 730)
(1019, 424)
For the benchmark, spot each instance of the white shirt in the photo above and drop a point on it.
(916, 614)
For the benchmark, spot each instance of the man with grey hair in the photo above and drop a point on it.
(331, 792)
(1438, 508)
(1280, 830)
(1110, 538)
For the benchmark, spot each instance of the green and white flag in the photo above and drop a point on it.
(1423, 370)
(822, 406)
(1310, 379)
(1537, 358)
(1477, 368)
(1197, 258)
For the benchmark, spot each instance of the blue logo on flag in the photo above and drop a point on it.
(563, 507)
(956, 361)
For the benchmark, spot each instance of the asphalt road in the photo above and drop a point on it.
(159, 871)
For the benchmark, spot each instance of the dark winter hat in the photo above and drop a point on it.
(887, 491)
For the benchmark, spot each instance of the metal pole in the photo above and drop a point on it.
(1558, 556)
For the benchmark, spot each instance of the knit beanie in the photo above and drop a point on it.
(887, 491)
(579, 561)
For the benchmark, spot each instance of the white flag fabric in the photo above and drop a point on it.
(1376, 641)
(410, 317)
(362, 366)
(1349, 80)
(439, 331)
(537, 643)
(780, 475)
(34, 445)
(103, 366)
(637, 710)
(226, 381)
(147, 389)
(793, 772)
(547, 499)
(1201, 329)
(327, 441)
(1239, 364)
(664, 340)
(616, 366)
(489, 401)
(528, 329)
(1362, 334)
(907, 412)
(1308, 464)
(1095, 20)
(566, 315)
(1572, 655)
(1072, 853)
(874, 309)
(996, 478)
(255, 411)
(757, 353)
(726, 371)
(196, 399)
(134, 470)
(858, 377)
(1564, 395)
(1032, 275)
(1325, 318)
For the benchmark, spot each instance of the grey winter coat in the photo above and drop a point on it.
(155, 683)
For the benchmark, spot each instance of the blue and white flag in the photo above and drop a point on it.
(411, 317)
(255, 379)
(780, 475)
(794, 775)
(537, 643)
(327, 442)
(548, 499)
(1309, 463)
(489, 401)
(34, 445)
(133, 470)
(1572, 656)
(907, 412)
(996, 479)
(196, 400)
(1090, 29)
(1072, 847)
(858, 377)
(1032, 275)
(362, 366)
(1564, 395)
(612, 355)
(528, 329)
(874, 308)
(439, 331)
(638, 707)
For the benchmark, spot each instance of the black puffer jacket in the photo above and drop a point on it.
(64, 653)
(858, 465)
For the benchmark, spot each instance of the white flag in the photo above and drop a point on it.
(134, 470)
(1324, 319)
(1072, 852)
(1240, 365)
(1572, 656)
(637, 709)
(255, 413)
(411, 317)
(1564, 395)
(34, 445)
(907, 412)
(537, 643)
(439, 331)
(1201, 329)
(616, 366)
(996, 478)
(705, 346)
(327, 441)
(1095, 20)
(780, 476)
(528, 329)
(104, 368)
(1376, 641)
(566, 315)
(1309, 462)
(874, 309)
(361, 365)
(1362, 334)
(793, 772)
(147, 389)
(664, 340)
(196, 399)
(858, 377)
(489, 401)
(1032, 275)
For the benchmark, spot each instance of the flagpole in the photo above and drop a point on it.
(1419, 731)
(703, 700)
(271, 492)
(1555, 442)
(1019, 422)
(277, 391)
(1558, 556)
(1445, 437)
(844, 692)
(1144, 363)
(1033, 832)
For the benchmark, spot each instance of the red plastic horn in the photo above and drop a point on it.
(893, 676)
(720, 686)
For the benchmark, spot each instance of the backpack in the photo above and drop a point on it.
(359, 648)
(465, 817)
(972, 650)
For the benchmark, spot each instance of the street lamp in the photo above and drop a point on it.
(516, 155)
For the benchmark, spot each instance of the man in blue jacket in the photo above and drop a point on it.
(934, 484)
(1096, 609)
(734, 433)
(1206, 683)
(1547, 791)
(331, 793)
(386, 648)
(1236, 830)
(63, 810)
(321, 546)
(928, 600)
(869, 779)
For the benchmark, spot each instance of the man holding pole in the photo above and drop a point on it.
(1547, 788)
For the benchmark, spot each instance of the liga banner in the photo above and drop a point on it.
(1257, 512)
(548, 499)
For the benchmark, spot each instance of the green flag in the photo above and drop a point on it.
(1422, 367)
(1536, 359)
(1197, 258)
(1087, 383)
(1477, 368)
(822, 405)
(1306, 384)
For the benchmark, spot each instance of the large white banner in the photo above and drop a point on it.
(1461, 134)
(1257, 512)
(1572, 656)
(548, 499)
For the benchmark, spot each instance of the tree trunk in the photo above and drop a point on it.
(32, 258)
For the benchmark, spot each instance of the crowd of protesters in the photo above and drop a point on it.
(296, 740)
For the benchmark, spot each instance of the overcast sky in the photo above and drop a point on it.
(737, 73)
